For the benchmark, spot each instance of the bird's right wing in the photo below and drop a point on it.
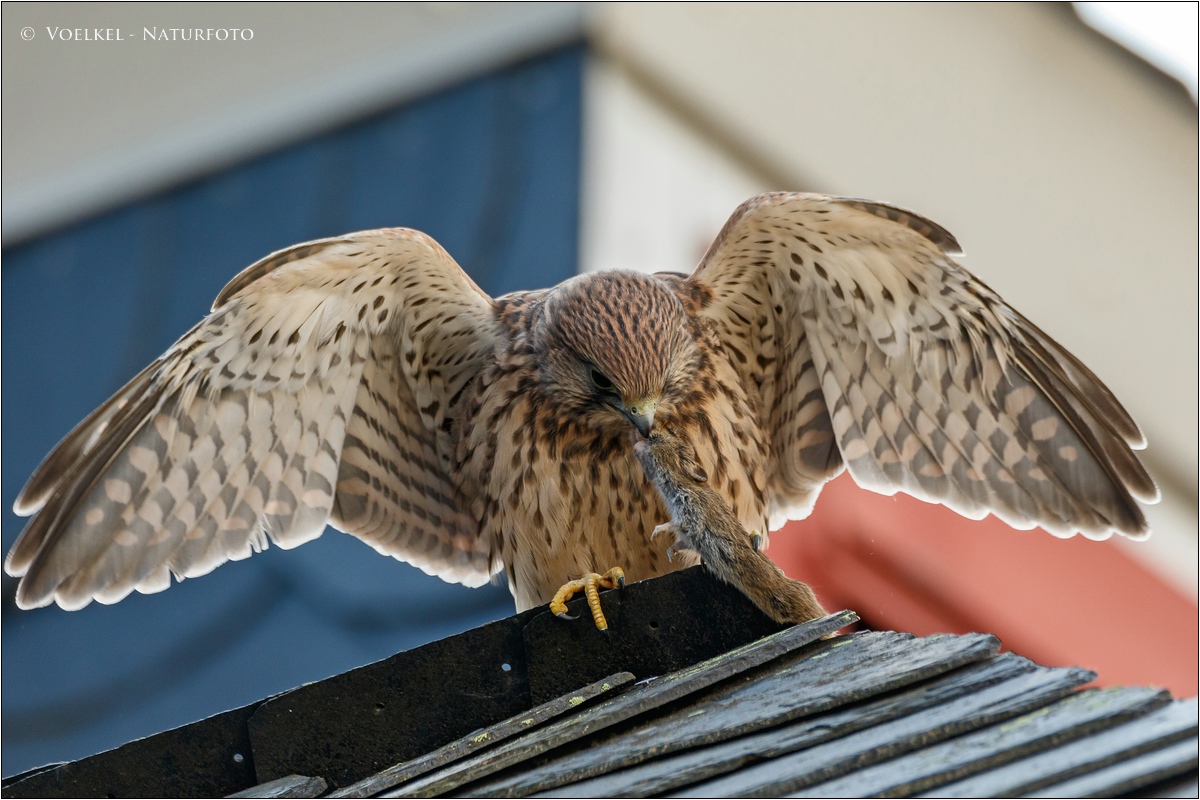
(871, 347)
(322, 387)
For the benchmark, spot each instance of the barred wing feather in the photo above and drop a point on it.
(322, 386)
(875, 350)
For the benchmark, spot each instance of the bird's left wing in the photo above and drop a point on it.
(870, 347)
(322, 387)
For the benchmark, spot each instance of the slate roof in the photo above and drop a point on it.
(692, 693)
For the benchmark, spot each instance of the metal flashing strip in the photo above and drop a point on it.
(209, 758)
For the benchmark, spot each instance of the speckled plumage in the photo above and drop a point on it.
(367, 381)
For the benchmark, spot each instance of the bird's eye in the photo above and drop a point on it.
(602, 382)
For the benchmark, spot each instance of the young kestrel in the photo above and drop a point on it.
(366, 381)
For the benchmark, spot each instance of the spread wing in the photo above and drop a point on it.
(872, 349)
(322, 387)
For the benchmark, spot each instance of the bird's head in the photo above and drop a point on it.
(610, 344)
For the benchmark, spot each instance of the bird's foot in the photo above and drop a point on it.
(590, 584)
(756, 539)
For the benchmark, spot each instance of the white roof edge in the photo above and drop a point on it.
(293, 114)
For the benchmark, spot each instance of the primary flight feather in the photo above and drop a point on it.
(367, 382)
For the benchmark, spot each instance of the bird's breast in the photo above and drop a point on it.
(557, 498)
(585, 508)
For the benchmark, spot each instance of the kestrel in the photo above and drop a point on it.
(367, 382)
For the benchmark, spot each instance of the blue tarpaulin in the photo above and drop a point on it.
(490, 169)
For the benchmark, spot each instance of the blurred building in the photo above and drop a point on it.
(534, 141)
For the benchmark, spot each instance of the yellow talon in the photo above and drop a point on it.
(591, 584)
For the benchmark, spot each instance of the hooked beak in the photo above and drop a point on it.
(641, 414)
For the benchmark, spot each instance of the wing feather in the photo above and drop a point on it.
(263, 422)
(419, 517)
(79, 441)
(928, 382)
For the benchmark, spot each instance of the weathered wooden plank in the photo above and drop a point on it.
(288, 786)
(1142, 735)
(665, 775)
(642, 697)
(1071, 718)
(840, 757)
(1129, 776)
(843, 671)
(485, 737)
